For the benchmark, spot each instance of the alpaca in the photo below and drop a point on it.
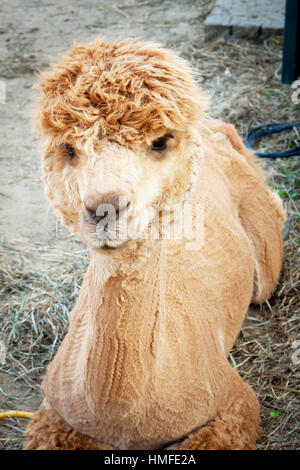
(144, 362)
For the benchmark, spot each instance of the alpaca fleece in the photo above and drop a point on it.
(144, 363)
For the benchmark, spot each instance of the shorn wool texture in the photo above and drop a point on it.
(144, 362)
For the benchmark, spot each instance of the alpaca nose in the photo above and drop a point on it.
(102, 205)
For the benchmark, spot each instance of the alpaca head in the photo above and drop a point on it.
(117, 126)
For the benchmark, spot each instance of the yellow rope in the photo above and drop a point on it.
(286, 389)
(16, 414)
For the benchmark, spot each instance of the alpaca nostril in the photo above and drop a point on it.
(123, 205)
(101, 206)
(96, 217)
(91, 213)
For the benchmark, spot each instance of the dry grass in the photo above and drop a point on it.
(35, 310)
(34, 318)
(243, 79)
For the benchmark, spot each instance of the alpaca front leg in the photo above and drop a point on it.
(236, 427)
(48, 431)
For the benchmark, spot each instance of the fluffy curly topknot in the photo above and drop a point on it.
(124, 91)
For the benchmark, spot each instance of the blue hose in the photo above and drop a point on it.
(272, 128)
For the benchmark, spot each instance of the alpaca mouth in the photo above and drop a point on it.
(113, 233)
(103, 236)
(112, 244)
(108, 248)
(108, 242)
(106, 245)
(110, 235)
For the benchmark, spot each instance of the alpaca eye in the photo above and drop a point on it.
(70, 151)
(161, 143)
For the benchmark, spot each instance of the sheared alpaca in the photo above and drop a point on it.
(144, 363)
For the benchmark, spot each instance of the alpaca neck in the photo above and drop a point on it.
(122, 305)
(118, 284)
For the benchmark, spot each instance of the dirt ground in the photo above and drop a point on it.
(31, 35)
